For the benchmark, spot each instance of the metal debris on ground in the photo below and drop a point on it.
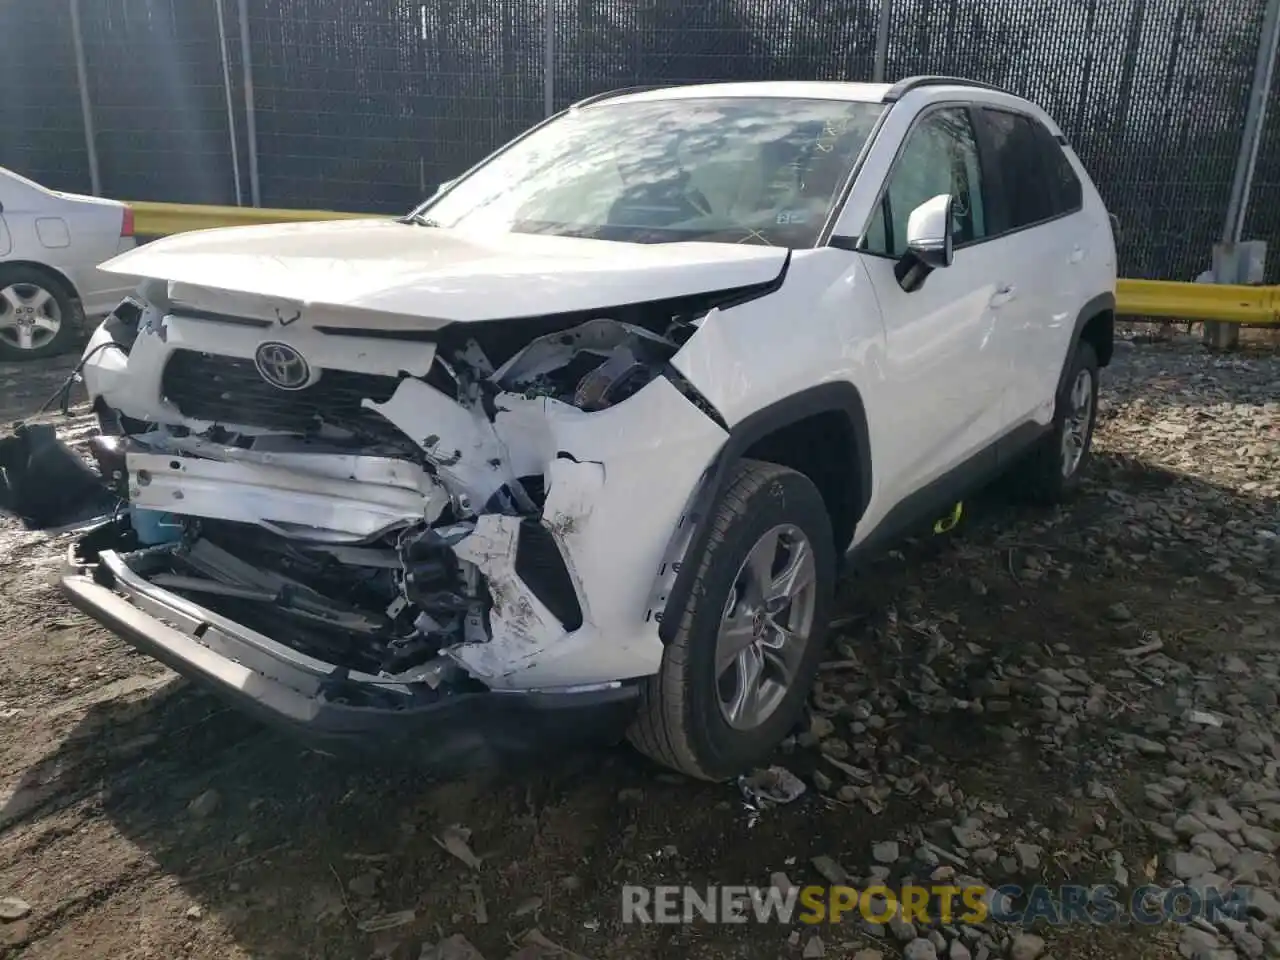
(764, 788)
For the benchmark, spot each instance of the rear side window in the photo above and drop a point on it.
(1036, 179)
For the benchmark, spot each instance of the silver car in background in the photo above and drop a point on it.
(50, 246)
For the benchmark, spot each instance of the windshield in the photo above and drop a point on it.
(731, 169)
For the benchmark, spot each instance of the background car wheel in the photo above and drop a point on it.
(734, 680)
(38, 314)
(1051, 473)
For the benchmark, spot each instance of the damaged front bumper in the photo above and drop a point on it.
(451, 728)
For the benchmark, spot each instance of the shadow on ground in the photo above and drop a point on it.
(170, 820)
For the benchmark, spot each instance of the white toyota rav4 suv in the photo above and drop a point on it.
(580, 447)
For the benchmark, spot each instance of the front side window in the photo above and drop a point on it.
(940, 156)
(727, 169)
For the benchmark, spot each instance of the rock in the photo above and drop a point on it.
(1028, 856)
(1260, 839)
(13, 908)
(920, 949)
(821, 727)
(527, 906)
(364, 884)
(1187, 826)
(1026, 946)
(885, 852)
(902, 931)
(1149, 748)
(1250, 743)
(1263, 904)
(821, 782)
(868, 955)
(456, 947)
(970, 835)
(1119, 613)
(938, 940)
(204, 804)
(1187, 865)
(986, 856)
(958, 951)
(1195, 942)
(814, 949)
(830, 871)
(780, 882)
(1248, 944)
(194, 913)
(1227, 814)
(833, 747)
(1218, 849)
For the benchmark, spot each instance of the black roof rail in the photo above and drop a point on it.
(903, 87)
(620, 92)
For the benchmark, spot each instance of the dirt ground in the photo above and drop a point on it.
(141, 818)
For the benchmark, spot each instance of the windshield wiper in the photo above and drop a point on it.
(420, 219)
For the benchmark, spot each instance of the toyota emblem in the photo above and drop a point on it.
(282, 366)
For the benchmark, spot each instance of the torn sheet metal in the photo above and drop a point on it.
(460, 442)
(552, 352)
(375, 497)
(520, 625)
(615, 492)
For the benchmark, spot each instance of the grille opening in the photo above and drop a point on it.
(204, 386)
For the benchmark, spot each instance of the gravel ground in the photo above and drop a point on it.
(1086, 695)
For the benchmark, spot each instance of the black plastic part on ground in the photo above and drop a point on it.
(44, 483)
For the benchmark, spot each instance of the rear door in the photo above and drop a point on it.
(1036, 205)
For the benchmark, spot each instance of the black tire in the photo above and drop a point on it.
(680, 723)
(68, 306)
(1042, 477)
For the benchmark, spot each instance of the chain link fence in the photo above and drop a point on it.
(369, 104)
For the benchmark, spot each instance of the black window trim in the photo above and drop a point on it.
(969, 107)
(988, 151)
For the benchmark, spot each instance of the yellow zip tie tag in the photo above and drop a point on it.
(949, 522)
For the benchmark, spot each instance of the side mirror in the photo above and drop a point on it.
(929, 232)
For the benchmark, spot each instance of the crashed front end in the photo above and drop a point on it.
(453, 541)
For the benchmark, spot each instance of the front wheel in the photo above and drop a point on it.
(734, 679)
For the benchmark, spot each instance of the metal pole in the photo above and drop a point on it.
(250, 121)
(1254, 120)
(231, 114)
(549, 57)
(86, 107)
(882, 42)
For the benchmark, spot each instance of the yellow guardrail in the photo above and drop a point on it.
(162, 219)
(1165, 299)
(1198, 301)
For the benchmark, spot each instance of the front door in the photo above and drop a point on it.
(943, 373)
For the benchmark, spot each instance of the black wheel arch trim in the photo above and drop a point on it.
(1102, 303)
(837, 397)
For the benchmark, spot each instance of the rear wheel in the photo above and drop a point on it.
(1051, 472)
(37, 314)
(734, 680)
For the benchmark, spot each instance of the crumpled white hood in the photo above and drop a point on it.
(407, 276)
